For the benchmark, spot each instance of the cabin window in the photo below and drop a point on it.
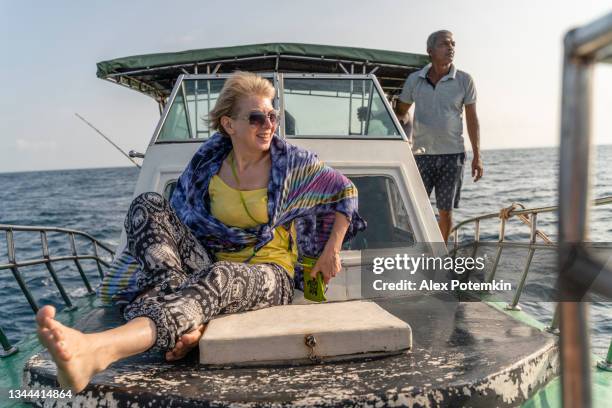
(338, 107)
(187, 117)
(380, 204)
(313, 107)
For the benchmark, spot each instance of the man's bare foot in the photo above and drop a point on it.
(186, 343)
(71, 350)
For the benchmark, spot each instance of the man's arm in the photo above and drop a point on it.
(401, 111)
(473, 128)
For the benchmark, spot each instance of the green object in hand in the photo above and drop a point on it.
(314, 288)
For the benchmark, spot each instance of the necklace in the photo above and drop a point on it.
(242, 200)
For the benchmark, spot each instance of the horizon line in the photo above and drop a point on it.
(127, 166)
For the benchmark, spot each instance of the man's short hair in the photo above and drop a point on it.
(433, 37)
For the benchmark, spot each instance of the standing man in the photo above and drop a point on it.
(439, 92)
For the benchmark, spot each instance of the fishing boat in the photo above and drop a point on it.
(457, 348)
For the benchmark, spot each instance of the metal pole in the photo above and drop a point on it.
(532, 240)
(573, 211)
(607, 363)
(79, 266)
(351, 101)
(95, 247)
(476, 238)
(363, 101)
(186, 107)
(7, 348)
(502, 235)
(51, 269)
(195, 105)
(554, 324)
(10, 246)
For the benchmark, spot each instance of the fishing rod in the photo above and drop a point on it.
(107, 139)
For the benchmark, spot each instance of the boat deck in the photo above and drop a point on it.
(463, 353)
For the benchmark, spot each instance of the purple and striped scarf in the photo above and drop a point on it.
(301, 189)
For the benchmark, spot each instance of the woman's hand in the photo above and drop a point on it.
(329, 261)
(328, 264)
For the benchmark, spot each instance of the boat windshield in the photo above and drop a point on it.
(312, 107)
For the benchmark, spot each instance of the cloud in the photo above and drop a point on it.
(35, 145)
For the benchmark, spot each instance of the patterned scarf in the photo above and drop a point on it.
(301, 188)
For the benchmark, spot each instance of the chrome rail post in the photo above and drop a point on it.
(79, 266)
(476, 238)
(606, 364)
(583, 47)
(95, 247)
(51, 269)
(500, 247)
(10, 246)
(7, 348)
(532, 239)
(554, 324)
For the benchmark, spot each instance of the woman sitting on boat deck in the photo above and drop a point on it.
(226, 243)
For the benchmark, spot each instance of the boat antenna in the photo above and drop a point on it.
(107, 139)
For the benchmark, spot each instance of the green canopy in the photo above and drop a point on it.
(154, 74)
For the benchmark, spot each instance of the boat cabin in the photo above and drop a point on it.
(344, 117)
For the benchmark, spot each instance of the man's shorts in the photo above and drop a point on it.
(444, 172)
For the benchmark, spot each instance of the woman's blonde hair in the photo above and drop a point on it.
(241, 84)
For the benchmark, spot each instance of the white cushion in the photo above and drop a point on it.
(277, 335)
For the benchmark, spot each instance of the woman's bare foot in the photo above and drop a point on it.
(186, 343)
(74, 353)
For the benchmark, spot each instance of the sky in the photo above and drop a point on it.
(49, 52)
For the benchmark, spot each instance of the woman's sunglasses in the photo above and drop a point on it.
(258, 118)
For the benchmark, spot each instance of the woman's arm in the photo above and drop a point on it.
(329, 261)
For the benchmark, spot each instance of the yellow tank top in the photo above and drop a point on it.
(226, 206)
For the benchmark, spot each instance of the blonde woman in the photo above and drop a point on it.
(243, 211)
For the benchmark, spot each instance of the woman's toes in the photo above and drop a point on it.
(47, 335)
(53, 324)
(171, 356)
(57, 334)
(41, 331)
(191, 338)
(43, 313)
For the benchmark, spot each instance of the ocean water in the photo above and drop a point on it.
(95, 201)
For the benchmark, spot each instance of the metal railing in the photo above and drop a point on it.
(529, 218)
(74, 256)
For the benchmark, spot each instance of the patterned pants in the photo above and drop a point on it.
(181, 288)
